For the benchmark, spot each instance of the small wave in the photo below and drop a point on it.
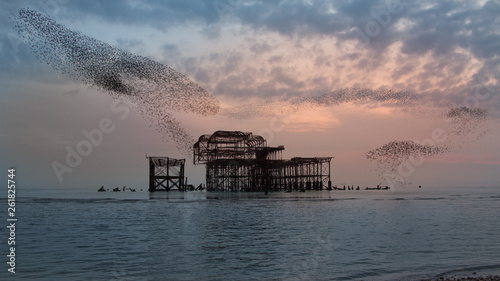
(390, 199)
(429, 198)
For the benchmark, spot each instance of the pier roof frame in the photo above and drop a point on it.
(232, 145)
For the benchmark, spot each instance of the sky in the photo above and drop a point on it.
(272, 59)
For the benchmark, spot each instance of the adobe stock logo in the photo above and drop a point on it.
(94, 137)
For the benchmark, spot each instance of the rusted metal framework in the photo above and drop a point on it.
(307, 173)
(238, 161)
(166, 173)
(233, 145)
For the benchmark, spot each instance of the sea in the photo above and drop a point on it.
(397, 234)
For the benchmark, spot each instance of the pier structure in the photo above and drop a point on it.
(166, 174)
(239, 161)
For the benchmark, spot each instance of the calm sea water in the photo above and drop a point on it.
(408, 234)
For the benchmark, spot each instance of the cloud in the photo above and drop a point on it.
(435, 30)
(438, 27)
(170, 51)
(159, 14)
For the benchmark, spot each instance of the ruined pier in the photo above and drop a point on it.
(241, 161)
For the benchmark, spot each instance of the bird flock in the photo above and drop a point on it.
(398, 151)
(467, 125)
(392, 155)
(286, 107)
(156, 90)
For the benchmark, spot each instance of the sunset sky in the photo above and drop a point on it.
(257, 55)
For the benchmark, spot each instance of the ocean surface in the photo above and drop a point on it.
(403, 234)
